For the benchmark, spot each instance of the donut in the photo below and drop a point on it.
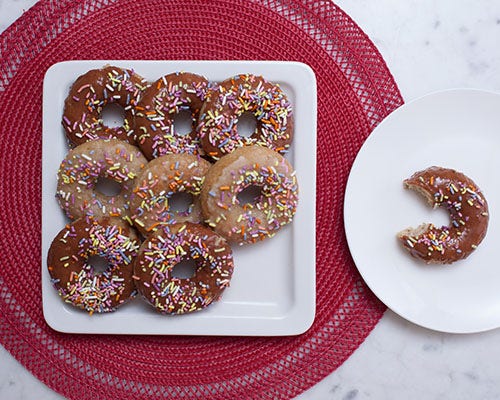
(249, 166)
(158, 182)
(468, 209)
(229, 100)
(81, 170)
(90, 93)
(162, 101)
(76, 280)
(167, 247)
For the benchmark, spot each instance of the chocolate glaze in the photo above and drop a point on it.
(90, 93)
(468, 211)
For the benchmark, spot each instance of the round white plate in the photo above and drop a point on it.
(457, 129)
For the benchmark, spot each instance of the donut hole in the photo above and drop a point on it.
(183, 122)
(249, 195)
(247, 124)
(184, 270)
(99, 264)
(107, 187)
(113, 115)
(180, 202)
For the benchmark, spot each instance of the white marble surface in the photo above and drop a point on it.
(429, 45)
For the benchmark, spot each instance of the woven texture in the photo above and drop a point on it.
(355, 92)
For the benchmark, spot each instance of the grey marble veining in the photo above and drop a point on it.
(428, 45)
(10, 10)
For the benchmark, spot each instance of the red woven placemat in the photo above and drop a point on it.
(355, 92)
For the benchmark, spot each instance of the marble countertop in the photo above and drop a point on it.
(428, 46)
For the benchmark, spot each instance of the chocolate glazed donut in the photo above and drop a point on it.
(167, 247)
(229, 100)
(76, 280)
(468, 211)
(162, 101)
(94, 90)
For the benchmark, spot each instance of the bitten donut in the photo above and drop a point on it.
(162, 101)
(76, 280)
(81, 170)
(468, 209)
(249, 166)
(90, 93)
(166, 248)
(161, 179)
(229, 100)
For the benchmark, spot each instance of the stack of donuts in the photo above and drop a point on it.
(136, 231)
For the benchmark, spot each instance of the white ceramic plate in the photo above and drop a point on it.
(273, 287)
(458, 129)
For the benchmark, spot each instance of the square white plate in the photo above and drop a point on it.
(273, 287)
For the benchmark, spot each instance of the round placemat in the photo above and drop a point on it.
(355, 92)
